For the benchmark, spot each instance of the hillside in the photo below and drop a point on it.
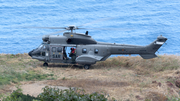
(120, 77)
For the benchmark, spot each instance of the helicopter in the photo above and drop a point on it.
(85, 50)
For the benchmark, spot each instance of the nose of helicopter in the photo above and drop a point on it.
(30, 53)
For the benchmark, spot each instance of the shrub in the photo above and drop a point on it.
(55, 94)
(11, 76)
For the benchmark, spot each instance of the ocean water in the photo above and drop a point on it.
(136, 22)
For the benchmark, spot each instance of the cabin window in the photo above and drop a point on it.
(53, 49)
(59, 49)
(96, 51)
(84, 50)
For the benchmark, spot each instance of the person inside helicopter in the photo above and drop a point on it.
(73, 55)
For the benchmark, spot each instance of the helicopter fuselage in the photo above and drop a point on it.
(88, 51)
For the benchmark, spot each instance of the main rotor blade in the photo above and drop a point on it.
(46, 27)
(56, 32)
(80, 28)
(96, 21)
(120, 29)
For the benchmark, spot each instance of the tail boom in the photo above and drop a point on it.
(146, 52)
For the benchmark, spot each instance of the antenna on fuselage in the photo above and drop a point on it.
(86, 33)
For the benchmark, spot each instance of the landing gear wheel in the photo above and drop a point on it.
(86, 66)
(45, 64)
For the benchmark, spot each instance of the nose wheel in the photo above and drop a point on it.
(45, 64)
(87, 66)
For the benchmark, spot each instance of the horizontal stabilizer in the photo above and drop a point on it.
(148, 56)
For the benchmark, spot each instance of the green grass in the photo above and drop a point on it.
(12, 76)
(20, 67)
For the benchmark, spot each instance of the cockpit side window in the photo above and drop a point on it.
(43, 53)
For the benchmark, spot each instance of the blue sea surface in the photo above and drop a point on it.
(138, 22)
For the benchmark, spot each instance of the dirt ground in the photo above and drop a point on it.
(34, 88)
(120, 83)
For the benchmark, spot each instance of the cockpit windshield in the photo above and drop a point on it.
(40, 46)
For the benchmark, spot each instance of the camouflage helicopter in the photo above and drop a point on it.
(85, 50)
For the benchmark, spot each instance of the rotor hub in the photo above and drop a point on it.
(71, 27)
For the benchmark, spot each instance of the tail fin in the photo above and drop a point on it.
(153, 47)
